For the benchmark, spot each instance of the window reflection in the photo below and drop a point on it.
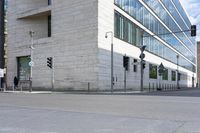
(127, 31)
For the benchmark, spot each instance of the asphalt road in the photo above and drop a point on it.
(158, 112)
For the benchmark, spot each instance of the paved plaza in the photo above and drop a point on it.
(158, 112)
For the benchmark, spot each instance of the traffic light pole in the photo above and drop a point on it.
(53, 74)
(112, 71)
(142, 56)
(177, 72)
(31, 57)
(125, 79)
(31, 72)
(142, 74)
(112, 65)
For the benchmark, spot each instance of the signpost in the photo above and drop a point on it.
(1, 73)
(1, 76)
(161, 70)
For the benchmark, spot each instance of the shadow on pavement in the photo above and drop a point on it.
(189, 92)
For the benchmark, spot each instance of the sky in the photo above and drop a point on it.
(193, 10)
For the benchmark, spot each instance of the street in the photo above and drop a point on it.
(157, 112)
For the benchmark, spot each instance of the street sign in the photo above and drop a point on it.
(161, 67)
(142, 56)
(1, 73)
(31, 63)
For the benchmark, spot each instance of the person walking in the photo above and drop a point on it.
(16, 81)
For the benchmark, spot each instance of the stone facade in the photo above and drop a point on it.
(198, 62)
(73, 43)
(2, 36)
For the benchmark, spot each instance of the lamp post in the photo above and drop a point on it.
(112, 71)
(177, 71)
(31, 33)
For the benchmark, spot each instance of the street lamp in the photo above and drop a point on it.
(106, 36)
(31, 33)
(177, 71)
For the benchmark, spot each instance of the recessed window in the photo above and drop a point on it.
(165, 74)
(23, 68)
(152, 71)
(49, 26)
(173, 76)
(49, 2)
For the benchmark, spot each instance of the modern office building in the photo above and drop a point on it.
(72, 32)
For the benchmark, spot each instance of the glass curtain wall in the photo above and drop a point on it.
(172, 9)
(140, 13)
(167, 19)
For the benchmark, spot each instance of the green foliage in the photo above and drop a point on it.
(165, 74)
(152, 71)
(173, 76)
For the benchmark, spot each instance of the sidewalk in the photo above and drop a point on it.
(120, 92)
(28, 92)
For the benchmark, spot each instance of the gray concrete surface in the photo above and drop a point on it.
(70, 113)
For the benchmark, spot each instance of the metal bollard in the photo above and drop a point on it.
(149, 87)
(88, 87)
(153, 86)
(156, 85)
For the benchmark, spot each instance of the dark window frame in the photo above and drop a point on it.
(173, 75)
(49, 26)
(49, 2)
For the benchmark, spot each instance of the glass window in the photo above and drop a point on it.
(23, 68)
(128, 31)
(49, 26)
(49, 2)
(165, 74)
(152, 71)
(173, 76)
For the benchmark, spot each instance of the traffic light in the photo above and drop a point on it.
(179, 76)
(143, 48)
(50, 62)
(144, 65)
(193, 30)
(142, 55)
(126, 62)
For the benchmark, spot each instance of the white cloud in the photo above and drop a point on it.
(193, 10)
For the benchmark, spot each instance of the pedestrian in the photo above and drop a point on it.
(16, 81)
